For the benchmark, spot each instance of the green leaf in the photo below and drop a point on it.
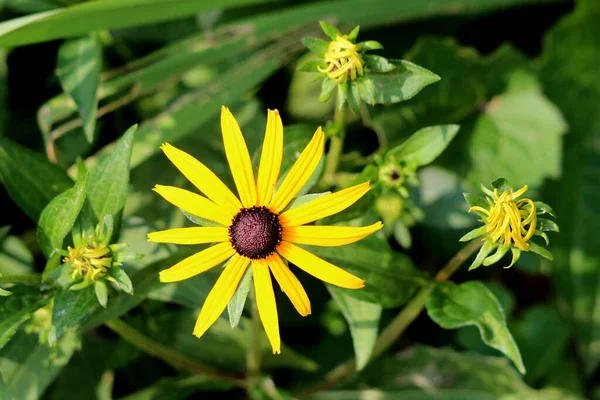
(109, 179)
(547, 225)
(536, 248)
(122, 279)
(390, 277)
(18, 308)
(78, 69)
(568, 71)
(543, 208)
(31, 181)
(327, 88)
(425, 145)
(108, 14)
(59, 215)
(400, 84)
(70, 308)
(330, 30)
(101, 293)
(452, 306)
(378, 64)
(475, 233)
(235, 308)
(25, 364)
(304, 199)
(370, 45)
(521, 124)
(318, 46)
(363, 319)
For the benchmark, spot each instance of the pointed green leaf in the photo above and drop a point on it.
(536, 248)
(547, 225)
(122, 279)
(378, 63)
(502, 185)
(363, 319)
(330, 30)
(311, 66)
(354, 33)
(452, 306)
(109, 179)
(327, 88)
(400, 84)
(370, 45)
(18, 308)
(101, 293)
(59, 215)
(543, 208)
(235, 308)
(516, 254)
(78, 69)
(476, 201)
(70, 308)
(543, 235)
(425, 145)
(497, 256)
(318, 46)
(31, 180)
(483, 253)
(475, 233)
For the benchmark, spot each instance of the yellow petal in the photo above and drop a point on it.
(221, 293)
(290, 285)
(300, 173)
(203, 178)
(195, 235)
(238, 158)
(328, 235)
(265, 301)
(270, 158)
(195, 204)
(198, 263)
(318, 267)
(323, 206)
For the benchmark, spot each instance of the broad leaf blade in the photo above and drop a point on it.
(59, 215)
(452, 306)
(78, 69)
(109, 179)
(31, 181)
(18, 308)
(363, 319)
(425, 145)
(70, 308)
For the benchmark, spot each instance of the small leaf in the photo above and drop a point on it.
(78, 69)
(536, 248)
(122, 279)
(547, 225)
(378, 64)
(101, 293)
(475, 233)
(476, 201)
(483, 253)
(318, 46)
(59, 215)
(543, 208)
(543, 235)
(370, 45)
(70, 308)
(235, 308)
(354, 33)
(494, 258)
(327, 88)
(363, 319)
(330, 30)
(516, 254)
(30, 180)
(311, 66)
(425, 145)
(452, 306)
(400, 84)
(109, 179)
(353, 97)
(502, 185)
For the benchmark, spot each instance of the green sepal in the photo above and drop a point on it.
(378, 64)
(327, 87)
(486, 249)
(516, 254)
(370, 45)
(536, 248)
(62, 275)
(494, 258)
(83, 230)
(330, 30)
(543, 208)
(353, 97)
(475, 233)
(476, 201)
(502, 185)
(542, 234)
(81, 285)
(342, 94)
(317, 46)
(104, 230)
(547, 225)
(311, 66)
(354, 34)
(122, 279)
(101, 293)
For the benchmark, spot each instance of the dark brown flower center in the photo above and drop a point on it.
(255, 232)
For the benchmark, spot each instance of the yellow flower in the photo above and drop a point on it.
(257, 228)
(509, 221)
(89, 262)
(510, 224)
(343, 60)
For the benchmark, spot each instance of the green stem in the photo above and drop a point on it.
(336, 145)
(398, 325)
(173, 357)
(21, 278)
(253, 352)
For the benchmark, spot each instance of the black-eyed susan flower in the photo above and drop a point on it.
(257, 228)
(510, 223)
